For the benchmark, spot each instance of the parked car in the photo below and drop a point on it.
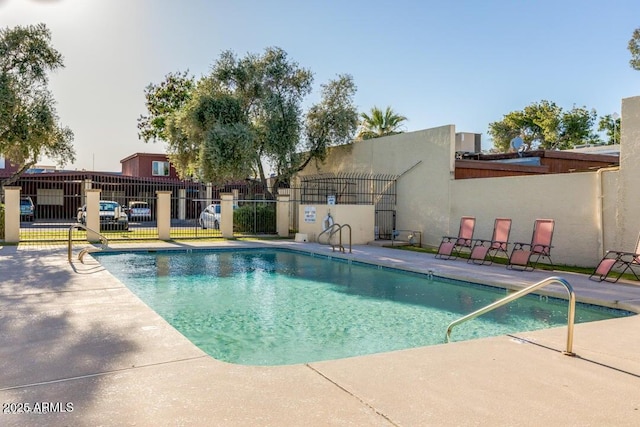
(112, 215)
(140, 211)
(210, 216)
(27, 208)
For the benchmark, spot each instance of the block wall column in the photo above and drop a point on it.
(163, 214)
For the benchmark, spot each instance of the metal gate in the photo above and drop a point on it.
(351, 188)
(53, 202)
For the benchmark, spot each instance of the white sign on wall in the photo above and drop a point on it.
(309, 214)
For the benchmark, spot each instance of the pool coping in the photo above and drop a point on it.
(74, 333)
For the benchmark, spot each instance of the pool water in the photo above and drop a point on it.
(278, 307)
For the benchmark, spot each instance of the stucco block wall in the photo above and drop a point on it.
(359, 217)
(424, 160)
(609, 196)
(628, 219)
(594, 211)
(569, 199)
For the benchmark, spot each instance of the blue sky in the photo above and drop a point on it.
(466, 63)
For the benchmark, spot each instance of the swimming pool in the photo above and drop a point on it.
(279, 306)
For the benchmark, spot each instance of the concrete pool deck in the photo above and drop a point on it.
(73, 334)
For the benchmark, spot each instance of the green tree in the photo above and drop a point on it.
(611, 126)
(576, 127)
(634, 48)
(247, 113)
(29, 125)
(332, 121)
(544, 125)
(380, 123)
(163, 101)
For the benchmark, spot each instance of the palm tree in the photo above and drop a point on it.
(378, 123)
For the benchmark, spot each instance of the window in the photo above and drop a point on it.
(160, 168)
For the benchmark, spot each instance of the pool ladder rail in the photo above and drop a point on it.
(331, 231)
(104, 242)
(521, 293)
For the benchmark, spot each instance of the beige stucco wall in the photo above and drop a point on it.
(359, 217)
(570, 199)
(628, 215)
(594, 211)
(609, 180)
(424, 161)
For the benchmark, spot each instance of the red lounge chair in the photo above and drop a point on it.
(484, 251)
(450, 247)
(617, 263)
(540, 246)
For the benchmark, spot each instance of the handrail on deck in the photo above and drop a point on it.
(328, 230)
(521, 293)
(103, 240)
(331, 231)
(339, 230)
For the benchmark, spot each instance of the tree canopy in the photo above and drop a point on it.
(29, 125)
(380, 123)
(247, 112)
(610, 124)
(634, 48)
(545, 125)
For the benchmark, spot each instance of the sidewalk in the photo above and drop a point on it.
(74, 334)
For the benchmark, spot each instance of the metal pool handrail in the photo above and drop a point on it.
(103, 240)
(331, 231)
(521, 293)
(339, 231)
(328, 232)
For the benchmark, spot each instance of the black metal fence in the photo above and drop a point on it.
(350, 188)
(58, 199)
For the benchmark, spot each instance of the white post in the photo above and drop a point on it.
(93, 214)
(226, 215)
(163, 214)
(12, 214)
(282, 215)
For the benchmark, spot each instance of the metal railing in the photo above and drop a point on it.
(331, 231)
(103, 241)
(521, 293)
(339, 231)
(328, 232)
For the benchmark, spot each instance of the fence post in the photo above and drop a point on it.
(93, 214)
(209, 194)
(282, 215)
(226, 215)
(12, 214)
(163, 214)
(182, 203)
(86, 185)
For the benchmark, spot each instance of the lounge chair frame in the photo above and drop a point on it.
(615, 263)
(525, 256)
(485, 251)
(451, 247)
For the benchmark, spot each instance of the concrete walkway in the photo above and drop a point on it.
(76, 341)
